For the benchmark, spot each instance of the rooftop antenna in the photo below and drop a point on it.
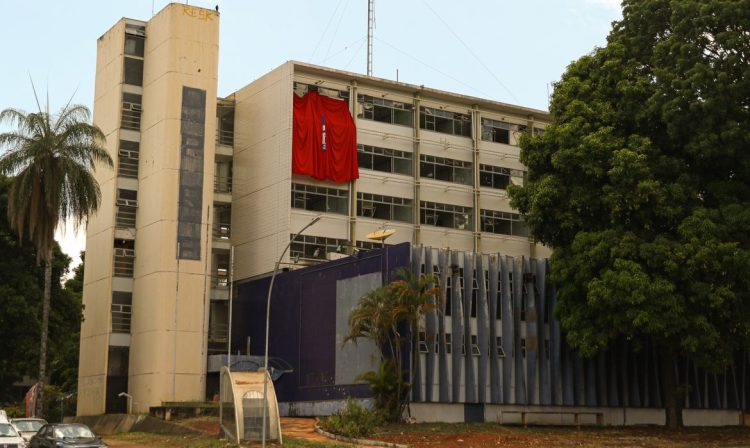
(370, 22)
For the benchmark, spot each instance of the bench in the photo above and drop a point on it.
(576, 416)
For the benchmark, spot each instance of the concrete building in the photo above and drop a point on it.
(195, 174)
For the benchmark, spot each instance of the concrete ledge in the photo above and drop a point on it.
(706, 417)
(109, 424)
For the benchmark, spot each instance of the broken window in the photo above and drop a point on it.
(445, 122)
(448, 170)
(445, 215)
(503, 223)
(388, 208)
(385, 111)
(384, 159)
(320, 199)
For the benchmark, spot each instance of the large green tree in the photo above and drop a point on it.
(51, 159)
(642, 185)
(20, 320)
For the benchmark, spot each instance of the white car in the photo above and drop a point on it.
(27, 427)
(9, 437)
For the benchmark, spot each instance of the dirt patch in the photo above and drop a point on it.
(482, 436)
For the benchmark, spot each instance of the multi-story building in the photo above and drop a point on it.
(195, 175)
(433, 166)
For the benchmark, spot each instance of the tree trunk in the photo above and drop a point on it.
(43, 340)
(672, 402)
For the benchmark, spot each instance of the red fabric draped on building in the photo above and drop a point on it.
(324, 142)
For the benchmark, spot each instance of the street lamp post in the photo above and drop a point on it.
(268, 320)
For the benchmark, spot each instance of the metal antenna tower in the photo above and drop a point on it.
(370, 22)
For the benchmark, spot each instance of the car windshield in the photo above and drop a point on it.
(73, 431)
(7, 431)
(28, 425)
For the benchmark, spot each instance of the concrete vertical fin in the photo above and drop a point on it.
(483, 323)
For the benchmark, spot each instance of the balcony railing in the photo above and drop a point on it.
(223, 184)
(125, 216)
(131, 119)
(222, 231)
(121, 318)
(128, 164)
(218, 333)
(224, 137)
(124, 262)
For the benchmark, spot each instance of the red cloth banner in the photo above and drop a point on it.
(324, 141)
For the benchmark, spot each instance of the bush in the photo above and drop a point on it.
(353, 421)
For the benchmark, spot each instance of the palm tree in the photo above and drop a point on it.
(51, 159)
(381, 316)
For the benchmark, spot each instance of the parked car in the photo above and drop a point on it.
(67, 435)
(9, 437)
(27, 427)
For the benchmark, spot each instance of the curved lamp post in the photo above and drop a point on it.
(268, 320)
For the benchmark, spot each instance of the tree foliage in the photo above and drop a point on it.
(51, 158)
(642, 184)
(20, 316)
(390, 317)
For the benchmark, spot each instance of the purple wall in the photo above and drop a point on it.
(303, 324)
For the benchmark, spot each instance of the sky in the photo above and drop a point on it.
(505, 50)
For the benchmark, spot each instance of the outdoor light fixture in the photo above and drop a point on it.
(268, 320)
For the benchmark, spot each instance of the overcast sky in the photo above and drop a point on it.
(504, 50)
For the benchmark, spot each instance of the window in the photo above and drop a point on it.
(475, 345)
(500, 131)
(127, 204)
(523, 348)
(474, 293)
(124, 258)
(388, 208)
(499, 343)
(494, 176)
(307, 247)
(302, 89)
(127, 165)
(423, 342)
(498, 300)
(134, 45)
(538, 131)
(131, 112)
(449, 170)
(448, 343)
(121, 311)
(385, 111)
(445, 122)
(503, 223)
(368, 245)
(448, 295)
(320, 199)
(445, 215)
(384, 159)
(133, 71)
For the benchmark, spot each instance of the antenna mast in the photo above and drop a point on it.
(370, 22)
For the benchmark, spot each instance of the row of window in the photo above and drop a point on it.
(437, 120)
(390, 208)
(426, 340)
(439, 168)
